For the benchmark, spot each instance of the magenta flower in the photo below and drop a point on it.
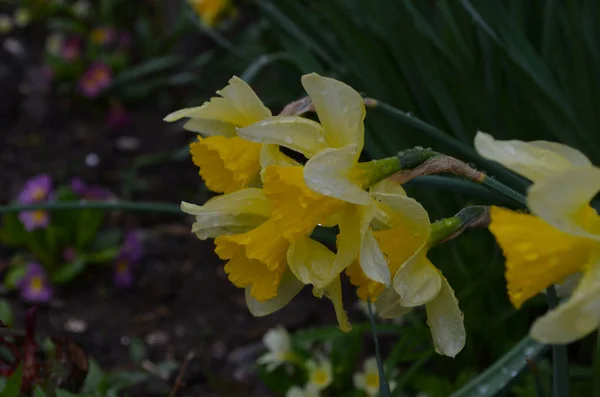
(36, 189)
(71, 48)
(90, 192)
(130, 254)
(34, 286)
(33, 220)
(117, 117)
(95, 80)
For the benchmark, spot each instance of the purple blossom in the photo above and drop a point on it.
(130, 254)
(33, 220)
(34, 286)
(36, 189)
(95, 80)
(71, 48)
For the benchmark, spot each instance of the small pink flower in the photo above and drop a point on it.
(34, 286)
(95, 80)
(71, 48)
(33, 220)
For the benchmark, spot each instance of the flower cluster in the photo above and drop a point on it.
(272, 203)
(559, 241)
(36, 190)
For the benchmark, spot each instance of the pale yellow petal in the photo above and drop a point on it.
(208, 127)
(334, 293)
(311, 262)
(297, 133)
(575, 318)
(348, 241)
(417, 281)
(271, 155)
(388, 304)
(340, 108)
(289, 287)
(533, 161)
(372, 261)
(331, 173)
(563, 201)
(239, 105)
(388, 186)
(407, 212)
(234, 213)
(445, 322)
(574, 156)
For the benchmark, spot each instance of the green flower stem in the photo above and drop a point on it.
(141, 206)
(504, 190)
(448, 228)
(384, 387)
(560, 358)
(378, 170)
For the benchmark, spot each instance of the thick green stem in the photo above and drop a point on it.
(560, 358)
(166, 208)
(378, 170)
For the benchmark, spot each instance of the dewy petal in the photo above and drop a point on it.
(537, 254)
(234, 213)
(372, 260)
(311, 262)
(388, 304)
(289, 287)
(271, 155)
(574, 156)
(226, 164)
(340, 108)
(563, 201)
(577, 317)
(334, 293)
(296, 133)
(208, 127)
(445, 321)
(417, 281)
(239, 106)
(331, 173)
(406, 212)
(349, 238)
(534, 161)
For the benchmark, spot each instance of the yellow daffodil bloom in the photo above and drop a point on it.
(320, 374)
(210, 11)
(403, 234)
(279, 346)
(329, 189)
(368, 379)
(227, 162)
(559, 239)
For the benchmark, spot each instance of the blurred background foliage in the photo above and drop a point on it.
(516, 69)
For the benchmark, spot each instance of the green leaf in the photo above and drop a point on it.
(6, 315)
(88, 225)
(68, 271)
(95, 379)
(13, 384)
(145, 69)
(103, 256)
(13, 232)
(14, 275)
(38, 392)
(137, 351)
(503, 372)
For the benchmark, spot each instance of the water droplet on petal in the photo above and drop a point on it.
(288, 139)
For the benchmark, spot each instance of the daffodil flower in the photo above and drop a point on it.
(368, 379)
(559, 239)
(279, 346)
(329, 189)
(210, 11)
(227, 162)
(403, 234)
(320, 374)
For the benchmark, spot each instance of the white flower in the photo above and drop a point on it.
(368, 379)
(320, 374)
(296, 391)
(22, 17)
(279, 346)
(81, 8)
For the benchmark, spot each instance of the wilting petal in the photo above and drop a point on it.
(239, 106)
(334, 293)
(388, 304)
(445, 321)
(271, 155)
(296, 133)
(208, 127)
(533, 160)
(563, 201)
(233, 213)
(417, 281)
(331, 173)
(226, 164)
(289, 287)
(311, 262)
(340, 108)
(577, 317)
(537, 254)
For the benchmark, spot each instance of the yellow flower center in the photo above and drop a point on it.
(37, 284)
(296, 208)
(320, 377)
(372, 380)
(537, 254)
(398, 245)
(38, 193)
(122, 267)
(226, 164)
(39, 215)
(256, 258)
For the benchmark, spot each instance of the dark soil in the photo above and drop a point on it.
(182, 301)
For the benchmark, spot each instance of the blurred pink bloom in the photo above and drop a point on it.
(33, 220)
(71, 48)
(95, 80)
(130, 254)
(34, 286)
(36, 189)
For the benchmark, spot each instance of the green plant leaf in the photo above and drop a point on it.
(503, 372)
(95, 379)
(137, 351)
(6, 314)
(12, 388)
(68, 271)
